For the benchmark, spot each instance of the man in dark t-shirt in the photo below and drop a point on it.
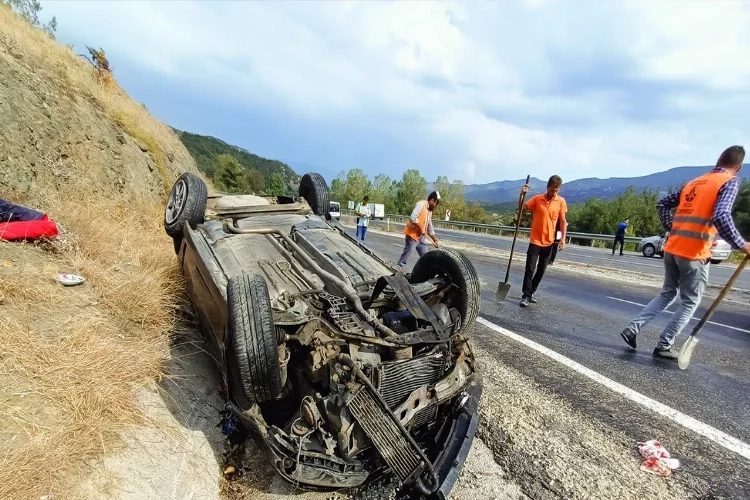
(620, 236)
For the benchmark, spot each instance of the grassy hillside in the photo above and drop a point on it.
(74, 145)
(205, 150)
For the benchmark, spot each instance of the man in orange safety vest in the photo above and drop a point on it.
(704, 208)
(418, 226)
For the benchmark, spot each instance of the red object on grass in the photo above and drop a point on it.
(31, 229)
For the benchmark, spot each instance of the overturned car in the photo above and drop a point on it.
(344, 368)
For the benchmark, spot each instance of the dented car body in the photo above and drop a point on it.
(344, 368)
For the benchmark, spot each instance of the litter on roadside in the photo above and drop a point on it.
(658, 460)
(70, 279)
(21, 223)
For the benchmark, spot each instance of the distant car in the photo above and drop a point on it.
(335, 210)
(654, 245)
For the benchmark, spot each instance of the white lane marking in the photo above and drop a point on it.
(693, 317)
(715, 435)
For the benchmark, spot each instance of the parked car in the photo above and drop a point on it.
(335, 210)
(377, 210)
(654, 245)
(343, 367)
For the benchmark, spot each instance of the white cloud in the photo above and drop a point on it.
(579, 89)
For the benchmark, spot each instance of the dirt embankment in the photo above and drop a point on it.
(75, 362)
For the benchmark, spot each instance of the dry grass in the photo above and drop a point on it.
(71, 357)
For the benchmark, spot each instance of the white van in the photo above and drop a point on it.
(377, 210)
(335, 210)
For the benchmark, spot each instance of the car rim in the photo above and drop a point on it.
(649, 251)
(176, 202)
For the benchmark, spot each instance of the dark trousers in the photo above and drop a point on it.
(619, 238)
(536, 258)
(553, 253)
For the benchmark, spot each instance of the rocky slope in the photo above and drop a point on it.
(64, 129)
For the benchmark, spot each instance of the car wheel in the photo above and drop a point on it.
(716, 261)
(253, 366)
(186, 204)
(457, 268)
(648, 250)
(314, 190)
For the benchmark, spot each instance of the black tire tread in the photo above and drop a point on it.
(314, 189)
(461, 272)
(253, 337)
(195, 205)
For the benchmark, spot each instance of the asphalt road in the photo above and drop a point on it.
(631, 261)
(580, 317)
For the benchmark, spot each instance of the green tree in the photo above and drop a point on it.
(254, 181)
(229, 175)
(357, 185)
(452, 198)
(741, 210)
(29, 10)
(383, 190)
(338, 188)
(277, 186)
(410, 190)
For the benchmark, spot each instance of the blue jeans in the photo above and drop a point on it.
(689, 278)
(361, 232)
(409, 245)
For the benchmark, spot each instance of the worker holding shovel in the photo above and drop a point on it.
(704, 208)
(546, 209)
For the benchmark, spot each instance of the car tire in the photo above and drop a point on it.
(458, 269)
(314, 190)
(716, 261)
(253, 366)
(648, 250)
(186, 204)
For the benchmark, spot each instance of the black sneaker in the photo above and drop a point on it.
(666, 354)
(533, 300)
(629, 338)
(524, 301)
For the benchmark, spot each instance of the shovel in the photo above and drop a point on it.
(504, 287)
(687, 350)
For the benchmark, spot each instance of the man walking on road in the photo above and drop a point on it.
(362, 211)
(546, 209)
(620, 235)
(704, 208)
(419, 225)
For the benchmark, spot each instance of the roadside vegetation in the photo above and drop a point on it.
(236, 170)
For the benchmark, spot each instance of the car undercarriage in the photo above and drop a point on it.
(342, 366)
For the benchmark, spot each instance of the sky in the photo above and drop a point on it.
(479, 91)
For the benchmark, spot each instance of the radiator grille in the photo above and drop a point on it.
(398, 379)
(384, 433)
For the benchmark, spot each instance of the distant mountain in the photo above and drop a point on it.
(581, 190)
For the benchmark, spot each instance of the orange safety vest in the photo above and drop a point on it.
(413, 230)
(692, 229)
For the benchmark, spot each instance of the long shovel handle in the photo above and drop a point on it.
(518, 224)
(707, 315)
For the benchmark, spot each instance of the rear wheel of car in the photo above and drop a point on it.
(716, 261)
(186, 204)
(253, 365)
(459, 271)
(648, 250)
(314, 190)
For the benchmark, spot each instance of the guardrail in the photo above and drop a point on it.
(492, 228)
(572, 237)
